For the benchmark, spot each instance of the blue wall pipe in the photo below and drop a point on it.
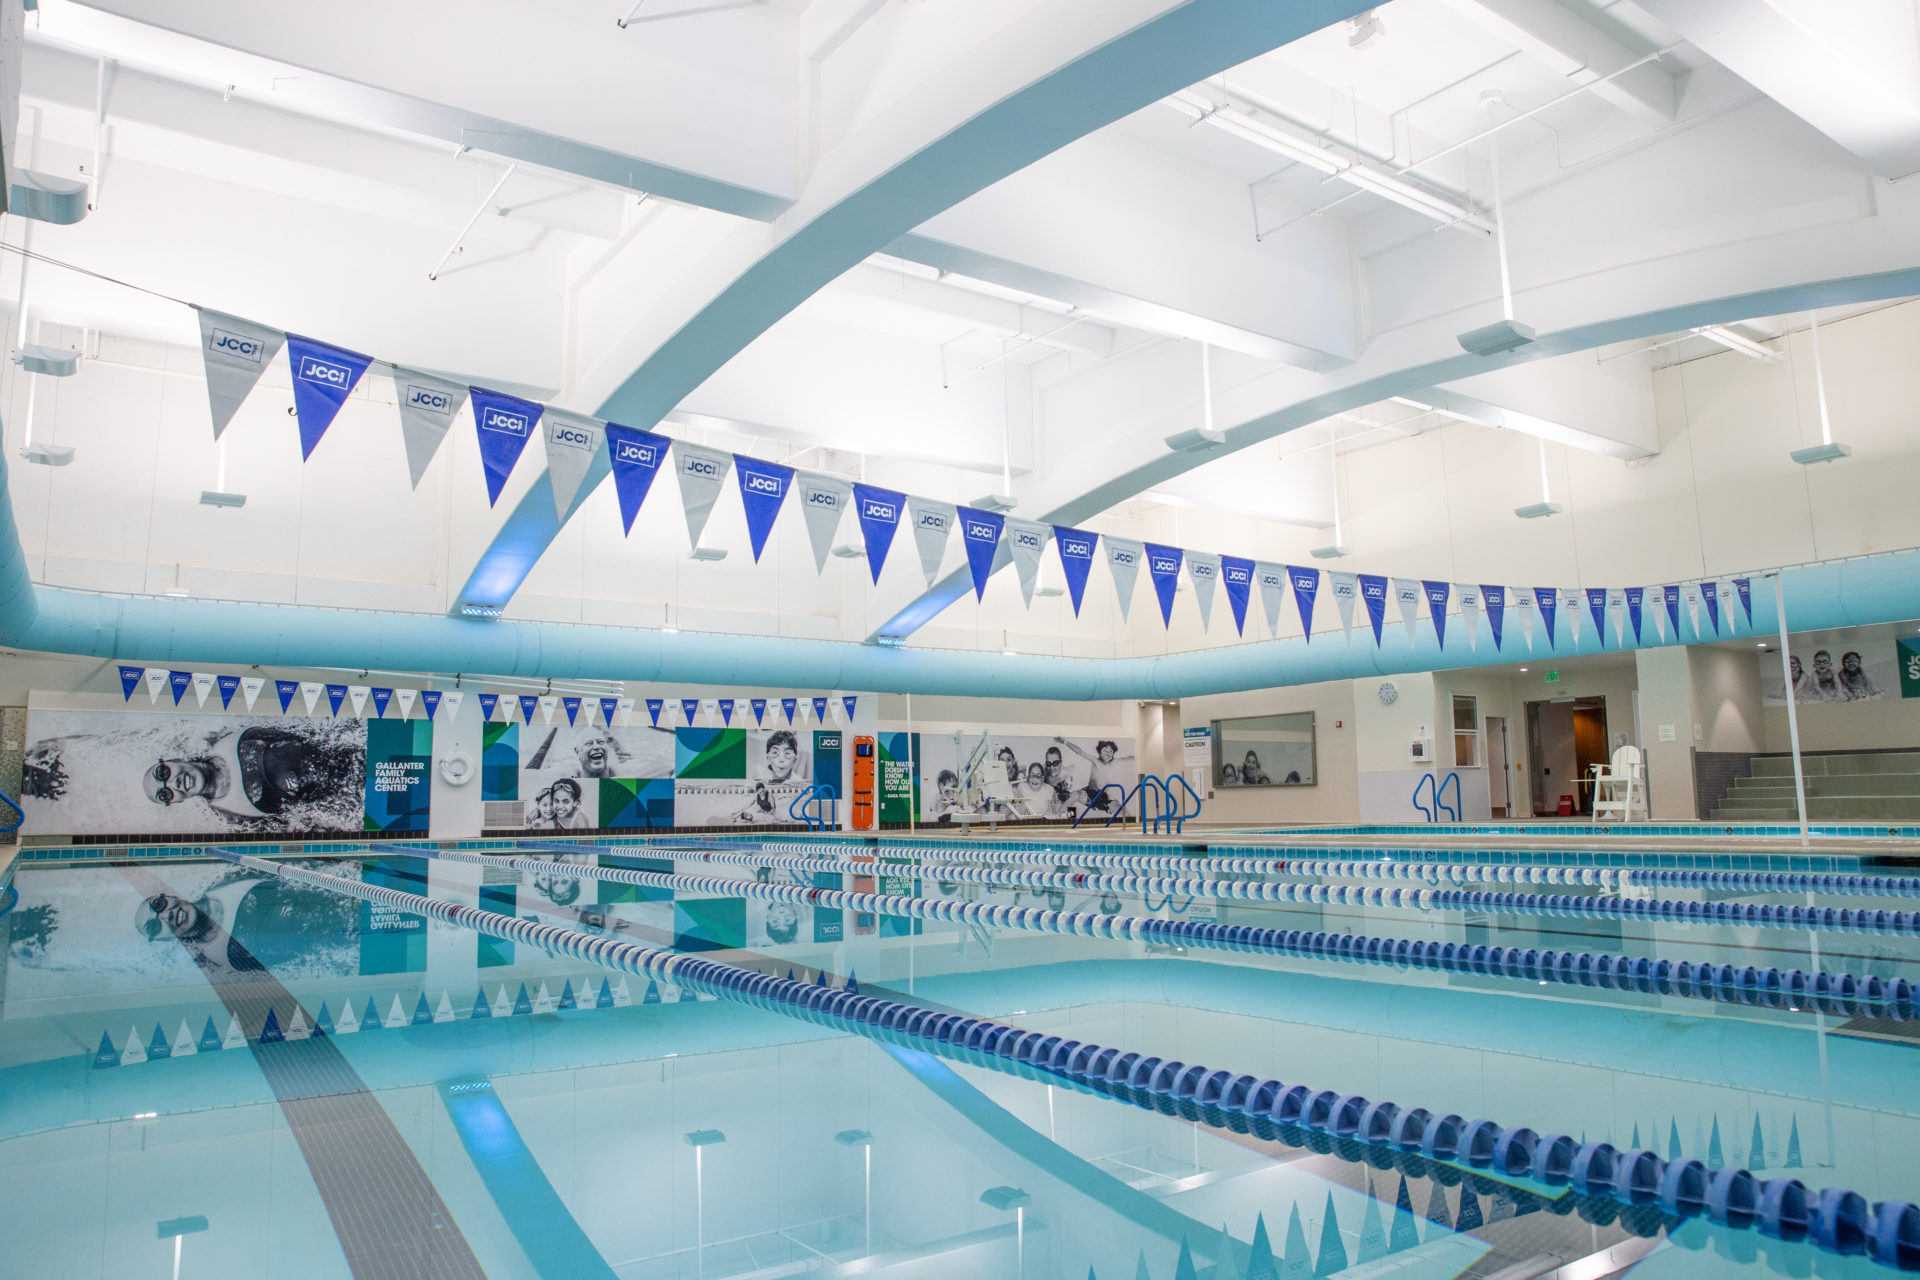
(164, 630)
(1834, 1220)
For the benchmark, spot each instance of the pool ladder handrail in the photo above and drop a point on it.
(1150, 785)
(1439, 788)
(817, 794)
(1087, 808)
(1177, 819)
(19, 814)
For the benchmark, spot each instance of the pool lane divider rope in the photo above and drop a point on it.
(1839, 994)
(1825, 919)
(1835, 1220)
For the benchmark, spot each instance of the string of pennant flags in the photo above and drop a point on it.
(237, 351)
(660, 712)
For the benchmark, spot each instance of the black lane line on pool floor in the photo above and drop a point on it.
(388, 1215)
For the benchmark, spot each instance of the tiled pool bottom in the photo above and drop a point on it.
(536, 1134)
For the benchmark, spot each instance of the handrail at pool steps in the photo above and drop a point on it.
(818, 794)
(1152, 785)
(1439, 788)
(1179, 815)
(1088, 807)
(19, 814)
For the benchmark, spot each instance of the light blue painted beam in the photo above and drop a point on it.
(1171, 51)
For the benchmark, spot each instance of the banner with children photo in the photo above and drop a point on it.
(1029, 777)
(738, 777)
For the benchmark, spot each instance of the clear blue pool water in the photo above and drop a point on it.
(484, 1107)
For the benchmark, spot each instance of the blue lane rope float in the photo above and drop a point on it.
(1839, 994)
(1835, 1220)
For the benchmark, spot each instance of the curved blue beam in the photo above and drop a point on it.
(1179, 47)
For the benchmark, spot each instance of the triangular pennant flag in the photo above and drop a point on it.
(230, 685)
(1716, 1157)
(311, 691)
(1670, 597)
(1333, 1250)
(820, 710)
(1757, 1146)
(428, 406)
(443, 1012)
(323, 377)
(604, 1000)
(1076, 558)
(567, 998)
(652, 993)
(488, 702)
(1438, 1213)
(1345, 588)
(130, 678)
(654, 706)
(1406, 1229)
(543, 1000)
(336, 694)
(1026, 543)
(1469, 1210)
(106, 1055)
(932, 528)
(980, 535)
(787, 708)
(285, 689)
(572, 707)
(1373, 594)
(203, 684)
(1306, 585)
(1273, 592)
(159, 1046)
(609, 707)
(504, 424)
(848, 701)
(349, 1022)
(878, 511)
(1521, 601)
(297, 1028)
(726, 712)
(271, 1033)
(235, 353)
(422, 1015)
(1691, 592)
(1406, 596)
(1163, 567)
(1183, 1266)
(1570, 603)
(1743, 588)
(549, 703)
(156, 681)
(1123, 563)
(689, 708)
(1260, 1265)
(502, 1006)
(357, 692)
(759, 706)
(626, 711)
(235, 1037)
(1236, 575)
(1203, 571)
(1597, 606)
(1494, 599)
(381, 697)
(1436, 594)
(481, 1009)
(1710, 596)
(521, 1003)
(635, 457)
(1617, 610)
(1546, 600)
(180, 682)
(1793, 1145)
(1636, 600)
(529, 703)
(323, 1021)
(133, 1052)
(1296, 1263)
(823, 500)
(702, 471)
(1373, 1234)
(763, 488)
(406, 698)
(184, 1045)
(573, 442)
(1467, 596)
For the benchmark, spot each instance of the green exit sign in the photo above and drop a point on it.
(1553, 677)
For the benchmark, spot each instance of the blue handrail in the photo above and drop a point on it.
(1178, 819)
(1088, 807)
(815, 795)
(1150, 784)
(19, 814)
(1433, 813)
(1440, 795)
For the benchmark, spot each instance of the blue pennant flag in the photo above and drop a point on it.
(759, 706)
(609, 708)
(430, 701)
(181, 681)
(1373, 594)
(636, 457)
(763, 487)
(820, 710)
(980, 534)
(848, 702)
(488, 703)
(1436, 594)
(381, 697)
(1494, 601)
(529, 703)
(1076, 557)
(1743, 588)
(1709, 596)
(690, 707)
(286, 689)
(505, 424)
(572, 706)
(1547, 601)
(1636, 598)
(1237, 574)
(788, 706)
(879, 513)
(323, 378)
(229, 685)
(336, 694)
(130, 678)
(654, 707)
(1670, 596)
(1163, 566)
(726, 711)
(1306, 585)
(1597, 606)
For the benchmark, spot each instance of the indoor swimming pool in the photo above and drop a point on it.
(723, 1057)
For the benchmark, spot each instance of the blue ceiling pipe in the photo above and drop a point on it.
(166, 631)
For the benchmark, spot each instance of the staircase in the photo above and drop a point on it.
(1840, 788)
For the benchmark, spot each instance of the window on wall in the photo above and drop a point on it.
(1466, 731)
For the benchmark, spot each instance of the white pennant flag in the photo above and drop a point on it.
(1468, 594)
(310, 691)
(250, 687)
(573, 440)
(156, 681)
(1653, 600)
(1123, 562)
(1690, 592)
(235, 352)
(450, 701)
(428, 406)
(1273, 592)
(1727, 603)
(1026, 541)
(405, 698)
(1346, 590)
(1406, 593)
(1617, 610)
(702, 472)
(1203, 571)
(549, 703)
(710, 708)
(823, 500)
(1520, 604)
(932, 524)
(626, 711)
(202, 685)
(1572, 605)
(357, 693)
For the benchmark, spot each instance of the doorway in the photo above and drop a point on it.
(1566, 737)
(1499, 790)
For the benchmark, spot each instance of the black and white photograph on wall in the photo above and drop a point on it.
(561, 766)
(1035, 777)
(1264, 751)
(1828, 666)
(123, 773)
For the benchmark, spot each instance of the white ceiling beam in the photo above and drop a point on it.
(1580, 51)
(1575, 400)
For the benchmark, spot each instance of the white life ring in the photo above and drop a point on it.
(456, 768)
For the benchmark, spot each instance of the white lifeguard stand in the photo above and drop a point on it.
(1620, 787)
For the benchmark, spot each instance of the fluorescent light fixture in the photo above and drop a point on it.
(1830, 452)
(708, 553)
(48, 455)
(1009, 653)
(1198, 440)
(995, 502)
(705, 1138)
(1330, 553)
(889, 642)
(1536, 510)
(1005, 1198)
(215, 498)
(1495, 338)
(847, 551)
(1523, 671)
(480, 611)
(1737, 342)
(1051, 591)
(1412, 404)
(179, 593)
(853, 1138)
(669, 630)
(1386, 185)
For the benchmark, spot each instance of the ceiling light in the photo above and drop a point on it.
(1364, 29)
(1830, 452)
(179, 593)
(1330, 553)
(1495, 338)
(215, 498)
(1737, 342)
(669, 630)
(1198, 440)
(708, 553)
(48, 455)
(847, 551)
(1411, 404)
(1535, 510)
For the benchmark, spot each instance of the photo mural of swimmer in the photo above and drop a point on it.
(114, 773)
(1051, 776)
